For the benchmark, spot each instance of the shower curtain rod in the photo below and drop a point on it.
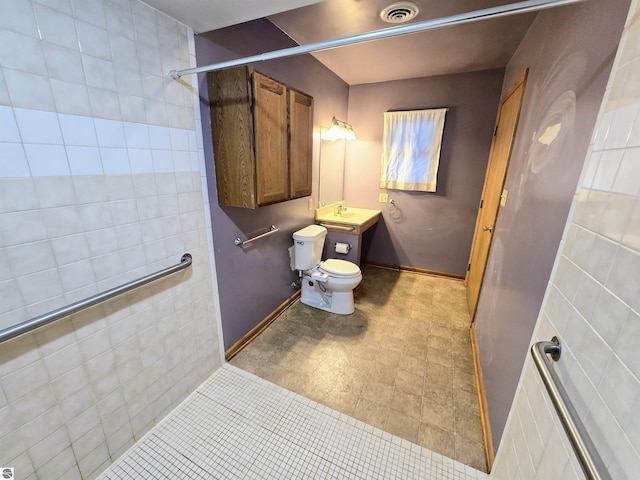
(494, 12)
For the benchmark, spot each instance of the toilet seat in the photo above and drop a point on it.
(340, 268)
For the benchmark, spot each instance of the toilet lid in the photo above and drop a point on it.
(340, 268)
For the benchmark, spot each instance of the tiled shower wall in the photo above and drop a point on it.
(592, 302)
(101, 182)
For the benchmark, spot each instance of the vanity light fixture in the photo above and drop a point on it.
(339, 130)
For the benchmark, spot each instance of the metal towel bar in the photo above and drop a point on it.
(590, 461)
(239, 242)
(47, 318)
(351, 228)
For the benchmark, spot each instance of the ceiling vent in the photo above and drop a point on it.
(399, 12)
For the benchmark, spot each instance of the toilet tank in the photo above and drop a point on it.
(308, 243)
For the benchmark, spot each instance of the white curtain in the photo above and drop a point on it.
(411, 149)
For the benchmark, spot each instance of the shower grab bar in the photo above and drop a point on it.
(47, 318)
(590, 461)
(239, 243)
(352, 228)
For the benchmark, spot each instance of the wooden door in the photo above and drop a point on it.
(300, 143)
(505, 131)
(270, 131)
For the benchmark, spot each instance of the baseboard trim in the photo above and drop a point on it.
(257, 330)
(482, 401)
(420, 271)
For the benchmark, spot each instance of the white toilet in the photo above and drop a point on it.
(326, 285)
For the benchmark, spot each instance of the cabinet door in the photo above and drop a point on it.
(270, 132)
(300, 143)
(232, 132)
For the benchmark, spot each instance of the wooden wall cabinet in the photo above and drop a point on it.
(262, 138)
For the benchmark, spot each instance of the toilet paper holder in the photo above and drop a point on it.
(340, 247)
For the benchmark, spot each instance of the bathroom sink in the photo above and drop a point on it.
(355, 216)
(361, 218)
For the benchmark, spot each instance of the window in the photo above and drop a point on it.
(411, 149)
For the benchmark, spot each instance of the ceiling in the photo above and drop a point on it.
(475, 46)
(206, 15)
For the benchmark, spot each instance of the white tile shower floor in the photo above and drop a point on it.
(239, 426)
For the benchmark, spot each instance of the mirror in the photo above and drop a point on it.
(331, 178)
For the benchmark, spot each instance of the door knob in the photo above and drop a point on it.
(488, 228)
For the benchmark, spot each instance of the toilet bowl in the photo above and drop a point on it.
(326, 285)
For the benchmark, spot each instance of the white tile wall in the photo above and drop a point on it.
(592, 302)
(100, 183)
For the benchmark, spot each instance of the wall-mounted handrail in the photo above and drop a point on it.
(351, 228)
(239, 243)
(47, 318)
(589, 458)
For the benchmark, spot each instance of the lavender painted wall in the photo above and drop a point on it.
(255, 279)
(569, 52)
(431, 231)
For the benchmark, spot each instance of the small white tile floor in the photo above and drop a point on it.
(239, 426)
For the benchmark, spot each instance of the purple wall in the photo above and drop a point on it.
(432, 231)
(254, 280)
(569, 52)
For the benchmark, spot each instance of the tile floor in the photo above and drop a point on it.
(239, 426)
(401, 363)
